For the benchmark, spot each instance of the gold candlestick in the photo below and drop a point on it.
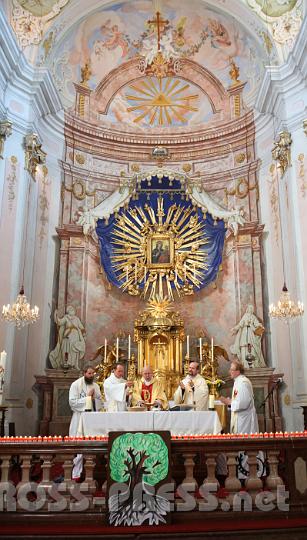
(186, 365)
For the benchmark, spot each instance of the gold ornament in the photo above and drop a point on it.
(281, 151)
(156, 249)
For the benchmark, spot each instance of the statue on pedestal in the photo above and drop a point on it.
(70, 348)
(249, 333)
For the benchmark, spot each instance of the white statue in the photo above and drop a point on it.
(248, 332)
(70, 348)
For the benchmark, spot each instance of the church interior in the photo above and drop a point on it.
(153, 189)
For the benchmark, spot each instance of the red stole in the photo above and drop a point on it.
(146, 393)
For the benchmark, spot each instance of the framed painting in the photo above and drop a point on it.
(160, 251)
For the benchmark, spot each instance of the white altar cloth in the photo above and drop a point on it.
(178, 423)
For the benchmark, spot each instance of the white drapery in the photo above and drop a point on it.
(88, 218)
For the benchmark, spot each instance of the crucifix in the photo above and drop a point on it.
(159, 352)
(160, 23)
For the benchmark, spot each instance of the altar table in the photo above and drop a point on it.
(178, 423)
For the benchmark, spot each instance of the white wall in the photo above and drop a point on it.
(30, 101)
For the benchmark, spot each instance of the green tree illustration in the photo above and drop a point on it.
(139, 456)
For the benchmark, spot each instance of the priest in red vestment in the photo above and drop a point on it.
(149, 390)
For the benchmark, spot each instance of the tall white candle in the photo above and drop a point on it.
(212, 350)
(3, 359)
(129, 346)
(105, 349)
(136, 272)
(194, 271)
(185, 271)
(200, 347)
(211, 402)
(88, 403)
(117, 347)
(145, 272)
(127, 273)
(188, 346)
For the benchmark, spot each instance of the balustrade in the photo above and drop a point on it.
(198, 457)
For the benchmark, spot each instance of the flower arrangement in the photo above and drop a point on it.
(214, 385)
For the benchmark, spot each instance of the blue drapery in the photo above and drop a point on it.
(172, 192)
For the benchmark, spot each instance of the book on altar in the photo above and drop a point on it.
(182, 408)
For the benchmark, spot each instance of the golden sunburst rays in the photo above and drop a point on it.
(161, 101)
(136, 235)
(159, 306)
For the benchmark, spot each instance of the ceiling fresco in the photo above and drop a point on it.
(160, 103)
(110, 37)
(67, 35)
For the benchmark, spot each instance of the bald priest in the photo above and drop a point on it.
(149, 390)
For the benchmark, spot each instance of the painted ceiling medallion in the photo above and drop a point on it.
(162, 101)
(39, 8)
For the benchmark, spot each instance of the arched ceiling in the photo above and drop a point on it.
(114, 33)
(65, 35)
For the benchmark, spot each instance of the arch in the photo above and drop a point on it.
(191, 71)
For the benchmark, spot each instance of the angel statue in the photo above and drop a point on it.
(249, 333)
(70, 348)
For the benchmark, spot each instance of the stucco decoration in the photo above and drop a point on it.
(287, 27)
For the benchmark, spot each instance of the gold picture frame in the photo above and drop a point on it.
(160, 251)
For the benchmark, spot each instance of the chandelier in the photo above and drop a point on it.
(286, 309)
(20, 313)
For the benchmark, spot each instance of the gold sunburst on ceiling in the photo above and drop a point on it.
(162, 101)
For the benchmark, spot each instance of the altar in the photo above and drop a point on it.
(178, 423)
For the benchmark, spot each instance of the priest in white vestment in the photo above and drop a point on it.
(193, 390)
(116, 390)
(243, 413)
(84, 394)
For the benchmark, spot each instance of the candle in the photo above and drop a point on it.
(212, 351)
(127, 273)
(185, 271)
(194, 271)
(88, 403)
(117, 346)
(105, 350)
(211, 402)
(188, 346)
(129, 346)
(145, 272)
(200, 349)
(3, 359)
(136, 272)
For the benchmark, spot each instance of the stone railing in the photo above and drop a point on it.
(36, 476)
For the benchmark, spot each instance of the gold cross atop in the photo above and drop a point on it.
(159, 22)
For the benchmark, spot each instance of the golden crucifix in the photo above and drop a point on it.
(159, 346)
(160, 23)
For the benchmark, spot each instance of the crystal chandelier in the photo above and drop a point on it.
(286, 309)
(20, 313)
